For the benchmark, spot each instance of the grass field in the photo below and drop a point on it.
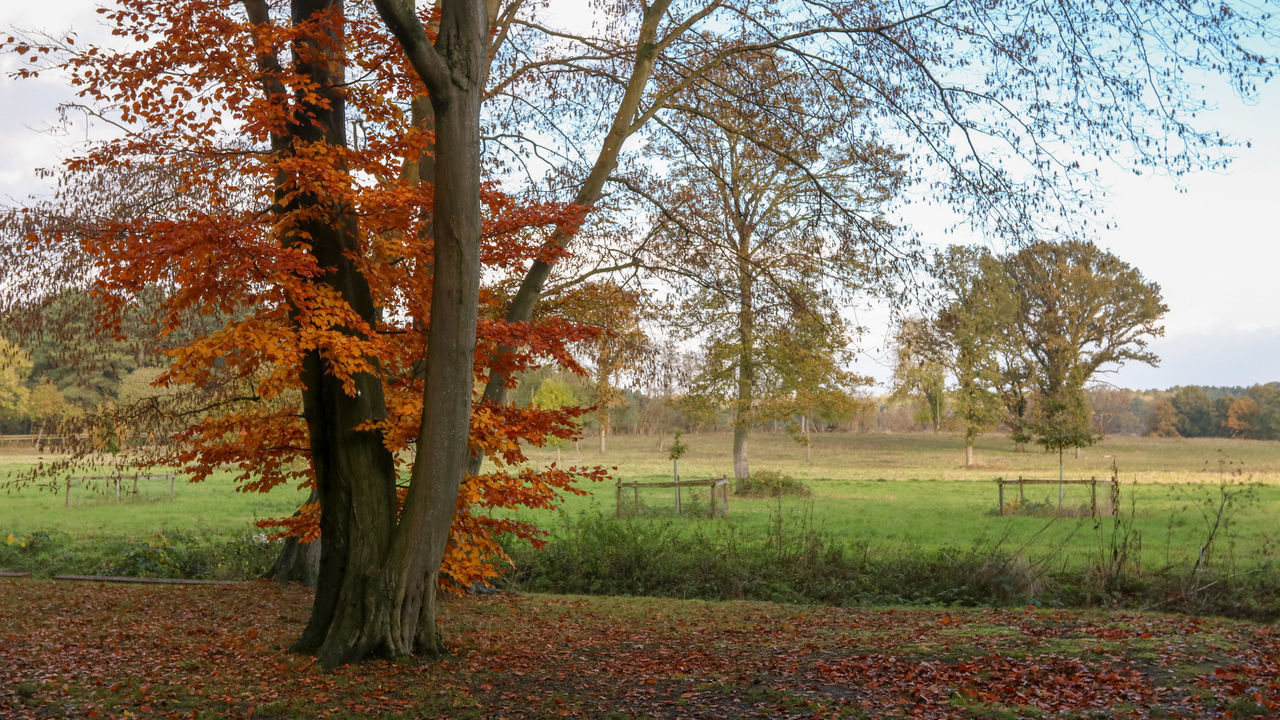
(913, 492)
(880, 493)
(113, 651)
(212, 509)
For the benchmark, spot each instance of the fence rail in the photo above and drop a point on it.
(116, 480)
(1112, 483)
(719, 493)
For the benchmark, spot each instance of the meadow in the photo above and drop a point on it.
(874, 494)
(901, 492)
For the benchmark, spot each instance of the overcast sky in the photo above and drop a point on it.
(1213, 246)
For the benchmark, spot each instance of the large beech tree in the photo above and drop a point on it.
(349, 277)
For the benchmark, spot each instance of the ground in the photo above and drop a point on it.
(118, 651)
(74, 650)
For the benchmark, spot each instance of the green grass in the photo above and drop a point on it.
(211, 509)
(911, 492)
(879, 494)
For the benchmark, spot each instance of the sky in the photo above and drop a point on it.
(1210, 239)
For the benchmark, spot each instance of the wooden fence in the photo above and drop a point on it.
(1112, 484)
(719, 493)
(117, 482)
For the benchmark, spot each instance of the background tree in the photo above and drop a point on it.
(1163, 421)
(976, 301)
(622, 345)
(920, 369)
(1079, 311)
(1197, 414)
(1242, 416)
(15, 368)
(807, 376)
(553, 394)
(47, 408)
(759, 234)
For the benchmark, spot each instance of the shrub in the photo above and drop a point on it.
(770, 483)
(795, 563)
(176, 555)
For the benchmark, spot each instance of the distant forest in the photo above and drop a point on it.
(70, 369)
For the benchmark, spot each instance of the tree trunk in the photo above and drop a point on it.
(968, 452)
(621, 128)
(393, 610)
(354, 472)
(746, 358)
(298, 562)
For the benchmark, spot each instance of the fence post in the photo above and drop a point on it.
(676, 465)
(68, 501)
(1093, 496)
(1000, 486)
(617, 508)
(171, 481)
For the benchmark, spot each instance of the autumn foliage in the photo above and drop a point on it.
(207, 133)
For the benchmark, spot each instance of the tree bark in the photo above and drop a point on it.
(968, 452)
(298, 561)
(393, 610)
(746, 359)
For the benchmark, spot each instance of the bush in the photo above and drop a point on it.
(179, 555)
(770, 483)
(794, 563)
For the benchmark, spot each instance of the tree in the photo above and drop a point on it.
(15, 367)
(1197, 416)
(920, 370)
(47, 408)
(622, 344)
(555, 395)
(342, 278)
(1079, 310)
(1267, 397)
(976, 301)
(1163, 421)
(1242, 416)
(809, 379)
(766, 227)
